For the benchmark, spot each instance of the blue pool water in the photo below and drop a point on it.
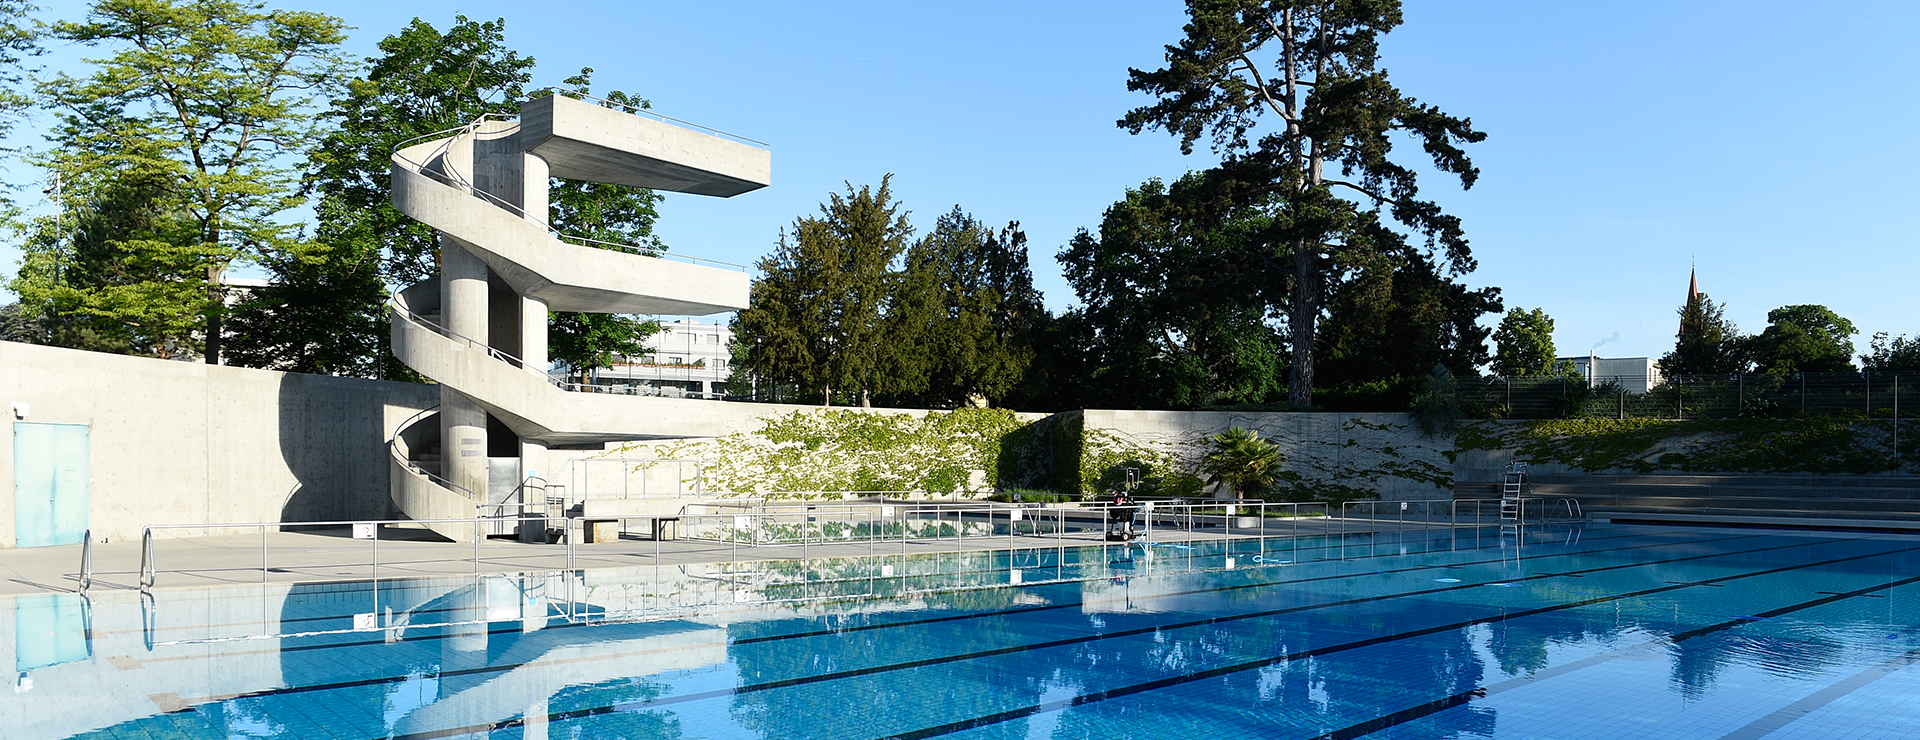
(1568, 632)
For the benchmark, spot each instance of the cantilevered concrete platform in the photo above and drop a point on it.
(479, 329)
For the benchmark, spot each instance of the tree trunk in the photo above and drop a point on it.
(1301, 317)
(217, 301)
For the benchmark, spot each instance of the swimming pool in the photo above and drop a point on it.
(1595, 631)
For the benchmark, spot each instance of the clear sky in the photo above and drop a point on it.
(1770, 142)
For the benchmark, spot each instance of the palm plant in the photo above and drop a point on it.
(1242, 461)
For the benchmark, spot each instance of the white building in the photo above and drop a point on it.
(688, 359)
(1636, 374)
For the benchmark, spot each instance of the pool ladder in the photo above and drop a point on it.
(1512, 484)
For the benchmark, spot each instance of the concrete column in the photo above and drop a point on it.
(463, 424)
(533, 199)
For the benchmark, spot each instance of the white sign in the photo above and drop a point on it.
(741, 522)
(1229, 563)
(886, 571)
(366, 622)
(1403, 506)
(886, 511)
(1013, 515)
(364, 530)
(1013, 576)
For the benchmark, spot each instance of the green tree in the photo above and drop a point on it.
(19, 40)
(1707, 342)
(960, 322)
(605, 216)
(118, 266)
(1891, 354)
(1396, 317)
(1524, 345)
(325, 312)
(1804, 338)
(1240, 460)
(214, 94)
(1173, 312)
(814, 318)
(1339, 117)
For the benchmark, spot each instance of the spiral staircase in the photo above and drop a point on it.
(479, 328)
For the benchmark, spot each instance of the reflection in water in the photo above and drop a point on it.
(1113, 641)
(50, 629)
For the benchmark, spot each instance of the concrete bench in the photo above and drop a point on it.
(602, 517)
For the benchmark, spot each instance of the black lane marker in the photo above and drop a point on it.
(1753, 731)
(1784, 716)
(1088, 638)
(1434, 706)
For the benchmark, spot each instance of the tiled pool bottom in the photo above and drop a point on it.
(1604, 631)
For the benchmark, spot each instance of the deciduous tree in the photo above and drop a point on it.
(1176, 313)
(325, 312)
(1313, 66)
(1804, 338)
(1523, 345)
(216, 95)
(1891, 354)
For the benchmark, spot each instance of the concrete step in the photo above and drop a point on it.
(1756, 481)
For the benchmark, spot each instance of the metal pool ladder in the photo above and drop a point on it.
(1512, 484)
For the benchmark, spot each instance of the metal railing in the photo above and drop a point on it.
(149, 568)
(1868, 394)
(454, 178)
(873, 524)
(649, 113)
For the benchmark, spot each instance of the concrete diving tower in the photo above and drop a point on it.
(479, 329)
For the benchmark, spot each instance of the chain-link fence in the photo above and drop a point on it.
(1767, 395)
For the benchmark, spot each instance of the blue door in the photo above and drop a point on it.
(49, 484)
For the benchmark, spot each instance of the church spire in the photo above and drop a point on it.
(1693, 286)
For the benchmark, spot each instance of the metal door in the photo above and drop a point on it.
(49, 484)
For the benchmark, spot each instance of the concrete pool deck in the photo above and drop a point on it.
(333, 555)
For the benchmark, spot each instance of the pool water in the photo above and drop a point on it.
(1564, 632)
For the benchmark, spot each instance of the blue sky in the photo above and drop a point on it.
(1768, 142)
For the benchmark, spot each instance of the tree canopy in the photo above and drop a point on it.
(1174, 313)
(814, 316)
(1312, 66)
(1804, 338)
(1523, 345)
(1707, 343)
(212, 97)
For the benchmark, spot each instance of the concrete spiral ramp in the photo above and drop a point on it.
(479, 329)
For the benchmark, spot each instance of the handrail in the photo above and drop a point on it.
(648, 112)
(86, 561)
(460, 180)
(149, 566)
(394, 451)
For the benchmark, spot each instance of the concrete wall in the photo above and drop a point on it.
(1378, 452)
(178, 442)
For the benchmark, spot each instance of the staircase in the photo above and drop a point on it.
(1798, 501)
(479, 328)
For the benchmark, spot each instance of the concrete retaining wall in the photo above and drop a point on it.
(1378, 452)
(178, 442)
